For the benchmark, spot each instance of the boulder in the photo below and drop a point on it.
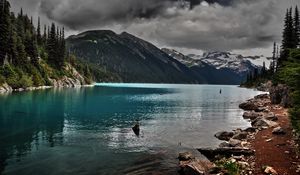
(270, 171)
(224, 135)
(185, 156)
(251, 115)
(250, 129)
(240, 136)
(261, 109)
(278, 131)
(226, 152)
(249, 105)
(224, 144)
(196, 167)
(5, 88)
(263, 123)
(262, 96)
(280, 94)
(271, 116)
(234, 142)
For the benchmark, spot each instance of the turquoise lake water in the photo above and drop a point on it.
(87, 131)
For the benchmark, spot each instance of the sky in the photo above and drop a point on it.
(247, 27)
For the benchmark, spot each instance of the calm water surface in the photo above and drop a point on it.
(87, 131)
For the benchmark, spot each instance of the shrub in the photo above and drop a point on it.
(25, 81)
(2, 80)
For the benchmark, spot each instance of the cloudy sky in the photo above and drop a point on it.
(248, 27)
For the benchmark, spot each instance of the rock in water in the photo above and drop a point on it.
(136, 129)
(185, 156)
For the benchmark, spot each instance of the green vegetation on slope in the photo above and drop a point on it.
(289, 74)
(30, 58)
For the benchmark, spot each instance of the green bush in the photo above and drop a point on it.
(25, 81)
(2, 80)
(232, 168)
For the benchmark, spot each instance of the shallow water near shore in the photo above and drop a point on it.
(88, 130)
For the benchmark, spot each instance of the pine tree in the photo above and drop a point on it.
(288, 41)
(38, 33)
(51, 45)
(45, 36)
(297, 27)
(272, 68)
(4, 29)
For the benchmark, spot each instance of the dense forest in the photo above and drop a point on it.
(285, 68)
(33, 55)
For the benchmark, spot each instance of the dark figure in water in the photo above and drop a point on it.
(220, 91)
(136, 128)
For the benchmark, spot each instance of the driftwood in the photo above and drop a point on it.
(225, 151)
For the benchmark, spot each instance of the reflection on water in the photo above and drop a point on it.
(88, 130)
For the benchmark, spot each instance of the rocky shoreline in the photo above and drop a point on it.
(5, 88)
(239, 150)
(76, 80)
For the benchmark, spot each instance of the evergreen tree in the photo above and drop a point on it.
(38, 33)
(297, 27)
(45, 35)
(288, 41)
(272, 68)
(51, 45)
(4, 29)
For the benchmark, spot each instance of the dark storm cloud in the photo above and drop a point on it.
(207, 25)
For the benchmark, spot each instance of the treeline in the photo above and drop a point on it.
(288, 69)
(290, 41)
(285, 67)
(29, 56)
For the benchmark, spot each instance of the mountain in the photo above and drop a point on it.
(216, 67)
(220, 60)
(131, 58)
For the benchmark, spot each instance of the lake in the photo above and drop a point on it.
(87, 131)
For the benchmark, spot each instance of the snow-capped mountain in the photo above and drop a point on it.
(217, 67)
(220, 60)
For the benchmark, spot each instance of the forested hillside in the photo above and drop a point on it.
(35, 55)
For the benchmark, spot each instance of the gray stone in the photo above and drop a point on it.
(278, 131)
(185, 156)
(240, 136)
(271, 116)
(251, 115)
(234, 142)
(250, 129)
(224, 135)
(262, 123)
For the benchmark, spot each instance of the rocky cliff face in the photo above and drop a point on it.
(75, 79)
(280, 94)
(5, 88)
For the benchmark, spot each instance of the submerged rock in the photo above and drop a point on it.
(185, 156)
